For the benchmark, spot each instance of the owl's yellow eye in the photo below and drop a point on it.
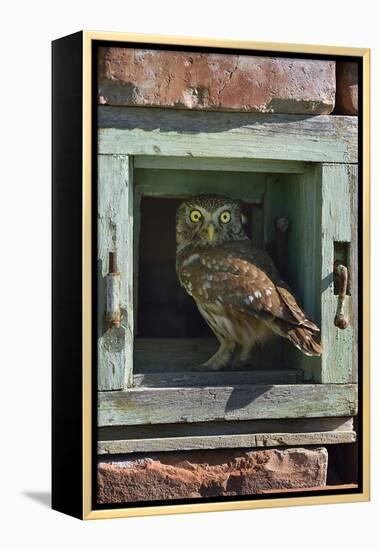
(195, 216)
(225, 216)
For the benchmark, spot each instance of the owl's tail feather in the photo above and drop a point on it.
(300, 336)
(305, 340)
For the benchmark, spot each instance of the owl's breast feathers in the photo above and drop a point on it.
(243, 281)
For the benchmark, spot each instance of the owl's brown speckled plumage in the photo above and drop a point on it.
(236, 287)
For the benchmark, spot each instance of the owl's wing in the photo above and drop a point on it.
(260, 265)
(244, 279)
(248, 289)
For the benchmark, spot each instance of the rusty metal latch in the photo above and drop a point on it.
(340, 320)
(113, 310)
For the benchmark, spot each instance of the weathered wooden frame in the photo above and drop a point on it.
(140, 138)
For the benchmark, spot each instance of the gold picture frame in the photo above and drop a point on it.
(85, 508)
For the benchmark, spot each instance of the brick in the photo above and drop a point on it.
(136, 77)
(194, 474)
(347, 88)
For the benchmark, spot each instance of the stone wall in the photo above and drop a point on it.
(347, 88)
(174, 79)
(213, 473)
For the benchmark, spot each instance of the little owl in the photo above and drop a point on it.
(236, 287)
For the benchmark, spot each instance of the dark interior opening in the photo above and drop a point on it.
(171, 335)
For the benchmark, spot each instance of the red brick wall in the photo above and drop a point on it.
(158, 78)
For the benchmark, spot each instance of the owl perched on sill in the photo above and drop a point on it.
(236, 287)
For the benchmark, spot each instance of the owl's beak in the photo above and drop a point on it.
(210, 232)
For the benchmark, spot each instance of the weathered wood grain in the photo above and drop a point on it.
(193, 379)
(305, 256)
(281, 425)
(165, 405)
(115, 233)
(144, 131)
(222, 442)
(245, 186)
(135, 228)
(338, 362)
(296, 197)
(353, 267)
(112, 358)
(220, 164)
(321, 207)
(259, 433)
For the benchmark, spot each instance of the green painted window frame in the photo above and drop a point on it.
(234, 142)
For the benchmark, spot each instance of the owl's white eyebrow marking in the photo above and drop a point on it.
(258, 294)
(190, 260)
